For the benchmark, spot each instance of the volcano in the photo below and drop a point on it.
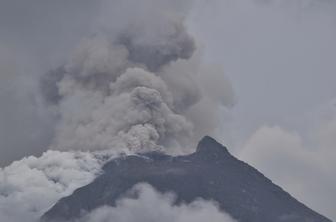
(210, 173)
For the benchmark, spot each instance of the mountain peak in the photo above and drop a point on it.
(209, 145)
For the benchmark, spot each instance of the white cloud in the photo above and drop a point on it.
(151, 205)
(32, 185)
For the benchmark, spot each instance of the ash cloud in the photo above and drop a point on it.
(134, 85)
(109, 38)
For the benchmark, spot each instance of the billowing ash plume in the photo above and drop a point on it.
(131, 87)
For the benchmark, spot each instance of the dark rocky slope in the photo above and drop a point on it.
(211, 173)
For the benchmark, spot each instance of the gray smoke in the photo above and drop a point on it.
(134, 85)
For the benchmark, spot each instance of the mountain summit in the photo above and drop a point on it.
(211, 173)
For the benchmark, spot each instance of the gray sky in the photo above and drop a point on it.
(281, 59)
(279, 55)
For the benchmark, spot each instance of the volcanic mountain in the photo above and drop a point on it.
(210, 173)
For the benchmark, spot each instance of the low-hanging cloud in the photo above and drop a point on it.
(147, 204)
(32, 185)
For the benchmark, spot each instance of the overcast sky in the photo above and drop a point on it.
(280, 57)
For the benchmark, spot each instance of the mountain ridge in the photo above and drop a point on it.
(210, 173)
